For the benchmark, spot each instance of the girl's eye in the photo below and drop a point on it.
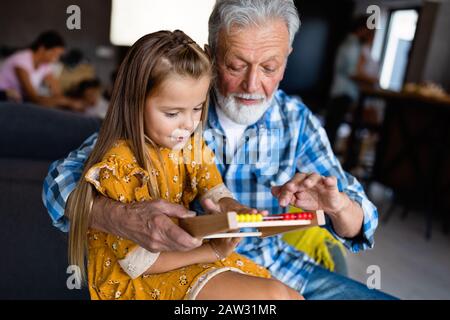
(198, 109)
(171, 115)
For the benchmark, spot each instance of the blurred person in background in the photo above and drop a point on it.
(353, 68)
(26, 71)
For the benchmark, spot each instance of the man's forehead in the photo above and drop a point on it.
(267, 42)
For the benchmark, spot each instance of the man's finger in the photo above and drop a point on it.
(285, 198)
(290, 186)
(330, 183)
(311, 181)
(276, 191)
(174, 210)
(306, 204)
(298, 178)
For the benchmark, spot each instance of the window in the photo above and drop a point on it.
(401, 30)
(131, 19)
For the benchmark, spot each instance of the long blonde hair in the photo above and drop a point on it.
(151, 60)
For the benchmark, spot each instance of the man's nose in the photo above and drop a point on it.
(251, 81)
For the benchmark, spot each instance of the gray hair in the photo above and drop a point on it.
(243, 13)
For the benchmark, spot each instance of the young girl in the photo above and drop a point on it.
(147, 150)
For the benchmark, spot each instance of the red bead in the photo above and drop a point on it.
(310, 216)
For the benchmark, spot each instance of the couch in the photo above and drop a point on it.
(34, 253)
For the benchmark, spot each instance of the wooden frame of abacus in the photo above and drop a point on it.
(220, 225)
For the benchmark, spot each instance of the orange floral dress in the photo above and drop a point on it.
(181, 176)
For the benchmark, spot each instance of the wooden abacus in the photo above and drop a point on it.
(220, 225)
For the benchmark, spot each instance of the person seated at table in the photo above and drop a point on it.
(353, 67)
(25, 71)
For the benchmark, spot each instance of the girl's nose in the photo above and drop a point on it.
(188, 123)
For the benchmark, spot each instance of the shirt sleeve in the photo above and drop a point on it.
(314, 154)
(61, 180)
(23, 60)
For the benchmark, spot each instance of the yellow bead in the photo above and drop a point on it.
(259, 217)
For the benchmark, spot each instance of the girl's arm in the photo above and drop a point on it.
(168, 261)
(53, 85)
(52, 101)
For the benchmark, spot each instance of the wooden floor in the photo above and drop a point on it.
(411, 266)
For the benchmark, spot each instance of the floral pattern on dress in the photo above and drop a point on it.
(119, 177)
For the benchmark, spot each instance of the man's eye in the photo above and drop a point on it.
(269, 70)
(171, 115)
(236, 68)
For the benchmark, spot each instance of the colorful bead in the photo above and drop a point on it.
(247, 217)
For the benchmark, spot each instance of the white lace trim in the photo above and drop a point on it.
(138, 261)
(218, 192)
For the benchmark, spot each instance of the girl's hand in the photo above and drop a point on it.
(223, 247)
(229, 204)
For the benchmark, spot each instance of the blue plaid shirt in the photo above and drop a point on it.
(286, 140)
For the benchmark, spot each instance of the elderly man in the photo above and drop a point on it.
(283, 157)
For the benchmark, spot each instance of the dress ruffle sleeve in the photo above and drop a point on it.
(119, 178)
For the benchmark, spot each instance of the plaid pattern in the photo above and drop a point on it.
(62, 178)
(286, 140)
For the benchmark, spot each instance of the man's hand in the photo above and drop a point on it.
(311, 192)
(146, 223)
(314, 192)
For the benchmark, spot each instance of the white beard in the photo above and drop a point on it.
(243, 114)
